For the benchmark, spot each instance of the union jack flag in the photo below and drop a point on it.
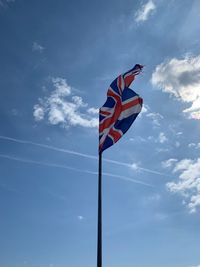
(120, 109)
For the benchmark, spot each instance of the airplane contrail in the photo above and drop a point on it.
(128, 179)
(48, 147)
(79, 154)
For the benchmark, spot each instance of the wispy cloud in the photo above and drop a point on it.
(49, 147)
(53, 165)
(188, 184)
(80, 154)
(4, 3)
(145, 11)
(63, 108)
(154, 116)
(93, 111)
(181, 79)
(151, 199)
(162, 150)
(136, 167)
(169, 163)
(37, 47)
(125, 178)
(145, 109)
(162, 138)
(194, 145)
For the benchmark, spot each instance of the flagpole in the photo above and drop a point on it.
(99, 224)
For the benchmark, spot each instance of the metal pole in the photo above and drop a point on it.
(99, 235)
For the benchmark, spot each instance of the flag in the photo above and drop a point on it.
(120, 109)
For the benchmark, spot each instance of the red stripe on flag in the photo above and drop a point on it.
(108, 122)
(131, 103)
(128, 80)
(104, 112)
(115, 135)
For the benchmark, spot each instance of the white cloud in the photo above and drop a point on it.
(63, 108)
(93, 111)
(145, 11)
(145, 108)
(193, 145)
(134, 166)
(188, 184)
(162, 138)
(162, 150)
(181, 79)
(38, 112)
(37, 47)
(156, 117)
(151, 199)
(137, 139)
(169, 163)
(195, 266)
(61, 86)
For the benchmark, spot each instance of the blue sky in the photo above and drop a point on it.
(57, 61)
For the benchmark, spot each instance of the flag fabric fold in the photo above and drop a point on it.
(120, 109)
